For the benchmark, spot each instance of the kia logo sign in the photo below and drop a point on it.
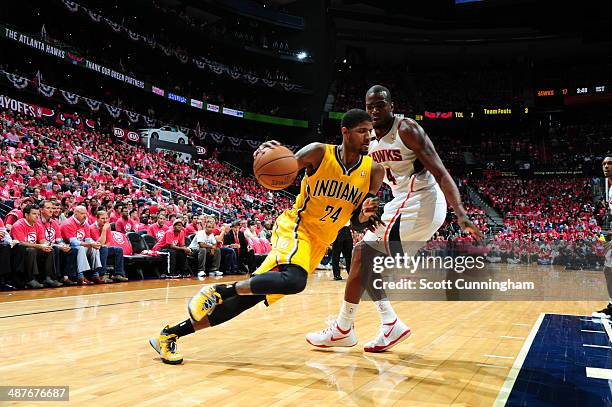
(201, 150)
(118, 132)
(133, 136)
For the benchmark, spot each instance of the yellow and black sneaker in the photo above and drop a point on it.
(165, 345)
(203, 303)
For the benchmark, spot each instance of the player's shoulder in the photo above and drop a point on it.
(406, 124)
(315, 149)
(317, 145)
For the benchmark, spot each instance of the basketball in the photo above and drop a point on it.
(275, 168)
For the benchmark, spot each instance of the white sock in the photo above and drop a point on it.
(346, 316)
(386, 311)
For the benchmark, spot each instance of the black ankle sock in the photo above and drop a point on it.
(226, 290)
(182, 329)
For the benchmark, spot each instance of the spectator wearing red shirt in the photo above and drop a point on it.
(60, 249)
(76, 231)
(5, 191)
(101, 232)
(38, 258)
(116, 213)
(137, 226)
(124, 224)
(195, 225)
(17, 213)
(173, 243)
(158, 229)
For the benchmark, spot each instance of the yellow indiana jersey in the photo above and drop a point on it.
(327, 199)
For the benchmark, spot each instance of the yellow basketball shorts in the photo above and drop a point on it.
(291, 246)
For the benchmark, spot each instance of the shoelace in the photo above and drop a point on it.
(381, 333)
(331, 324)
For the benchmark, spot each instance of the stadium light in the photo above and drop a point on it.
(302, 55)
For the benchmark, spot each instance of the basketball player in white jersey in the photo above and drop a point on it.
(607, 311)
(421, 187)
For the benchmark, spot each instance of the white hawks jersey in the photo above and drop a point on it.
(399, 161)
(609, 195)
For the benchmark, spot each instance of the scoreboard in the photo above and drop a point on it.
(573, 91)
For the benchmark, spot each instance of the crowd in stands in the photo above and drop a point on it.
(543, 208)
(205, 180)
(49, 179)
(76, 199)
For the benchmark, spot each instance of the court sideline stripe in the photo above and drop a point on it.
(112, 292)
(90, 306)
(504, 392)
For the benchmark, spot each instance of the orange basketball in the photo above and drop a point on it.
(275, 168)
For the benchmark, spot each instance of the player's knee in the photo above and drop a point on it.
(295, 279)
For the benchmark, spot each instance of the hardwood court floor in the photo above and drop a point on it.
(94, 339)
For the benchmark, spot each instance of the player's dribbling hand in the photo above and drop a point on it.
(264, 146)
(369, 211)
(467, 226)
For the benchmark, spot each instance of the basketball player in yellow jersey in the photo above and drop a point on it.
(340, 185)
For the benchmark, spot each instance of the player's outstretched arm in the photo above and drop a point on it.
(415, 138)
(308, 157)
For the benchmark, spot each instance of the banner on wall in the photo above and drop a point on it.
(200, 62)
(74, 121)
(73, 58)
(115, 112)
(17, 106)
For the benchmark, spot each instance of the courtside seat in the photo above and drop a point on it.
(139, 263)
(150, 241)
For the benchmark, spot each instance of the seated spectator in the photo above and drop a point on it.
(229, 260)
(76, 231)
(135, 221)
(125, 224)
(173, 243)
(17, 213)
(204, 247)
(63, 253)
(195, 225)
(101, 232)
(236, 240)
(38, 258)
(159, 228)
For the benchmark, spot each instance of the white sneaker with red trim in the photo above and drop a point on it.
(333, 336)
(388, 336)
